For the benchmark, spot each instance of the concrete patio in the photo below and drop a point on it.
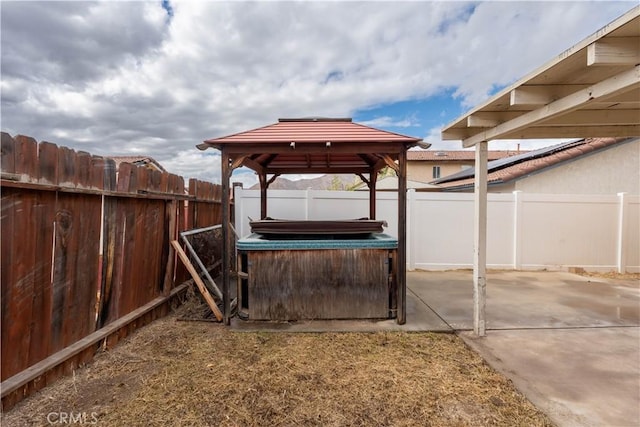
(570, 343)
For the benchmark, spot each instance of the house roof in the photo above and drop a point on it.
(313, 145)
(590, 90)
(507, 169)
(456, 155)
(138, 161)
(391, 183)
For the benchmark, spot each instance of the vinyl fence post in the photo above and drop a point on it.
(517, 229)
(623, 204)
(411, 195)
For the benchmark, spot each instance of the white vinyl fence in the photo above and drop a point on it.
(525, 231)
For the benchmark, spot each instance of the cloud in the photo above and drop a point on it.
(130, 77)
(433, 137)
(388, 121)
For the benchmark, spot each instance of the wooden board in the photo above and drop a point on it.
(196, 278)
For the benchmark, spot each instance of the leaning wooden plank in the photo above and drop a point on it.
(203, 289)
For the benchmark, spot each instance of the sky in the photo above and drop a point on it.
(156, 78)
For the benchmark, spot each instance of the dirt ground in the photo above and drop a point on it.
(203, 374)
(612, 275)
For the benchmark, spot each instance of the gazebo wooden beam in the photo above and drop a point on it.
(226, 236)
(401, 270)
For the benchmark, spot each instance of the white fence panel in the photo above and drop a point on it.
(441, 231)
(338, 204)
(569, 230)
(500, 231)
(524, 230)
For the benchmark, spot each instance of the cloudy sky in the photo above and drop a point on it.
(157, 78)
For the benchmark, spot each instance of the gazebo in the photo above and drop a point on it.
(316, 146)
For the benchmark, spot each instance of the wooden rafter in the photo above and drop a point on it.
(386, 160)
(614, 51)
(625, 81)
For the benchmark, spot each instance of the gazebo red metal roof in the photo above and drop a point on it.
(313, 130)
(314, 145)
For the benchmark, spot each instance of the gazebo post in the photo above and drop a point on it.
(401, 268)
(373, 178)
(226, 253)
(262, 177)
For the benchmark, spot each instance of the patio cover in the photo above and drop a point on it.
(590, 90)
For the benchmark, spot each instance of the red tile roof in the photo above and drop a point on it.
(311, 130)
(456, 155)
(502, 171)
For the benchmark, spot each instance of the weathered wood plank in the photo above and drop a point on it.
(83, 169)
(23, 263)
(143, 178)
(318, 284)
(7, 147)
(44, 215)
(7, 273)
(126, 174)
(47, 163)
(164, 183)
(67, 173)
(168, 254)
(141, 273)
(155, 232)
(113, 299)
(110, 175)
(127, 288)
(61, 281)
(155, 181)
(96, 175)
(27, 158)
(88, 266)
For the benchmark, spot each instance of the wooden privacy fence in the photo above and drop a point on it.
(86, 255)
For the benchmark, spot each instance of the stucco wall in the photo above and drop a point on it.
(423, 170)
(609, 171)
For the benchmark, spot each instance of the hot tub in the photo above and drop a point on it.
(298, 276)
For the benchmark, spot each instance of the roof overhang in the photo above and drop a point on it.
(314, 145)
(590, 90)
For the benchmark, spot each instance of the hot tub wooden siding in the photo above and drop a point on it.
(299, 284)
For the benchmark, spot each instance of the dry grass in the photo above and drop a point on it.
(203, 374)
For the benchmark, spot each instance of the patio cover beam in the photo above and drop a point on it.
(623, 82)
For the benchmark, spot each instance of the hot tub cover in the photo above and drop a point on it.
(286, 226)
